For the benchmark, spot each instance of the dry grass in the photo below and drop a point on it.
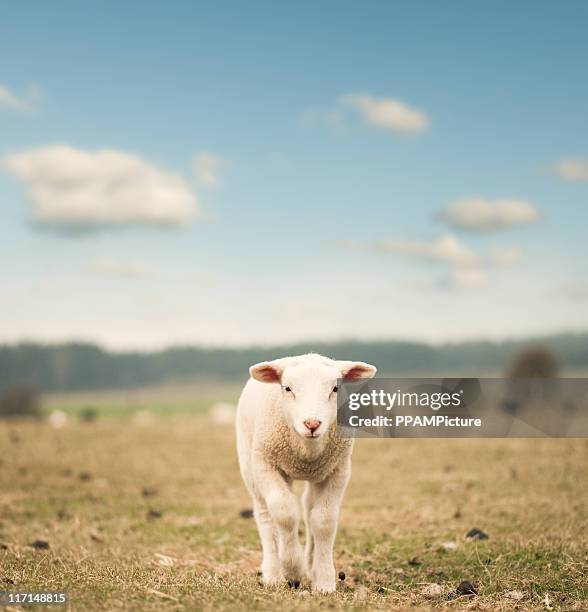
(147, 517)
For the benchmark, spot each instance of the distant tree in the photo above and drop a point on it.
(19, 401)
(533, 362)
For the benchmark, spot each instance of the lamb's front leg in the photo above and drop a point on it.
(270, 566)
(323, 517)
(282, 506)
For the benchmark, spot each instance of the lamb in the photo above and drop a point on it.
(286, 430)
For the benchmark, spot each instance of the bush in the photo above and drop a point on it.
(533, 362)
(19, 401)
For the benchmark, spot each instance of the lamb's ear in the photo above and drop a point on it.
(266, 371)
(354, 370)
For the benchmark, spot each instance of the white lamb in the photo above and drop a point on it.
(286, 430)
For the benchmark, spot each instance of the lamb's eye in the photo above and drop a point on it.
(335, 389)
(287, 389)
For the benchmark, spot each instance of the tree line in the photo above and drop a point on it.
(78, 366)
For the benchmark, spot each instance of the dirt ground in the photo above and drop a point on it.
(145, 513)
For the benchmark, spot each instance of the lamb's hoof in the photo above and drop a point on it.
(294, 573)
(271, 578)
(325, 590)
(324, 586)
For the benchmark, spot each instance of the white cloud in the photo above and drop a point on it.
(386, 113)
(121, 269)
(572, 169)
(77, 190)
(28, 101)
(464, 268)
(444, 249)
(207, 169)
(507, 256)
(468, 278)
(480, 215)
(8, 99)
(574, 291)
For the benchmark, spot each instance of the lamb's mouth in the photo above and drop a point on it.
(312, 435)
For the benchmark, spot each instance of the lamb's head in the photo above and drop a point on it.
(308, 384)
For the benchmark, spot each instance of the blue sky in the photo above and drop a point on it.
(381, 170)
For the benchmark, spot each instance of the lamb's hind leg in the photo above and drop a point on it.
(307, 500)
(270, 565)
(282, 505)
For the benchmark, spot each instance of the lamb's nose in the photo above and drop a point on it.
(312, 424)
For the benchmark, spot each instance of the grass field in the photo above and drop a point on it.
(145, 514)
